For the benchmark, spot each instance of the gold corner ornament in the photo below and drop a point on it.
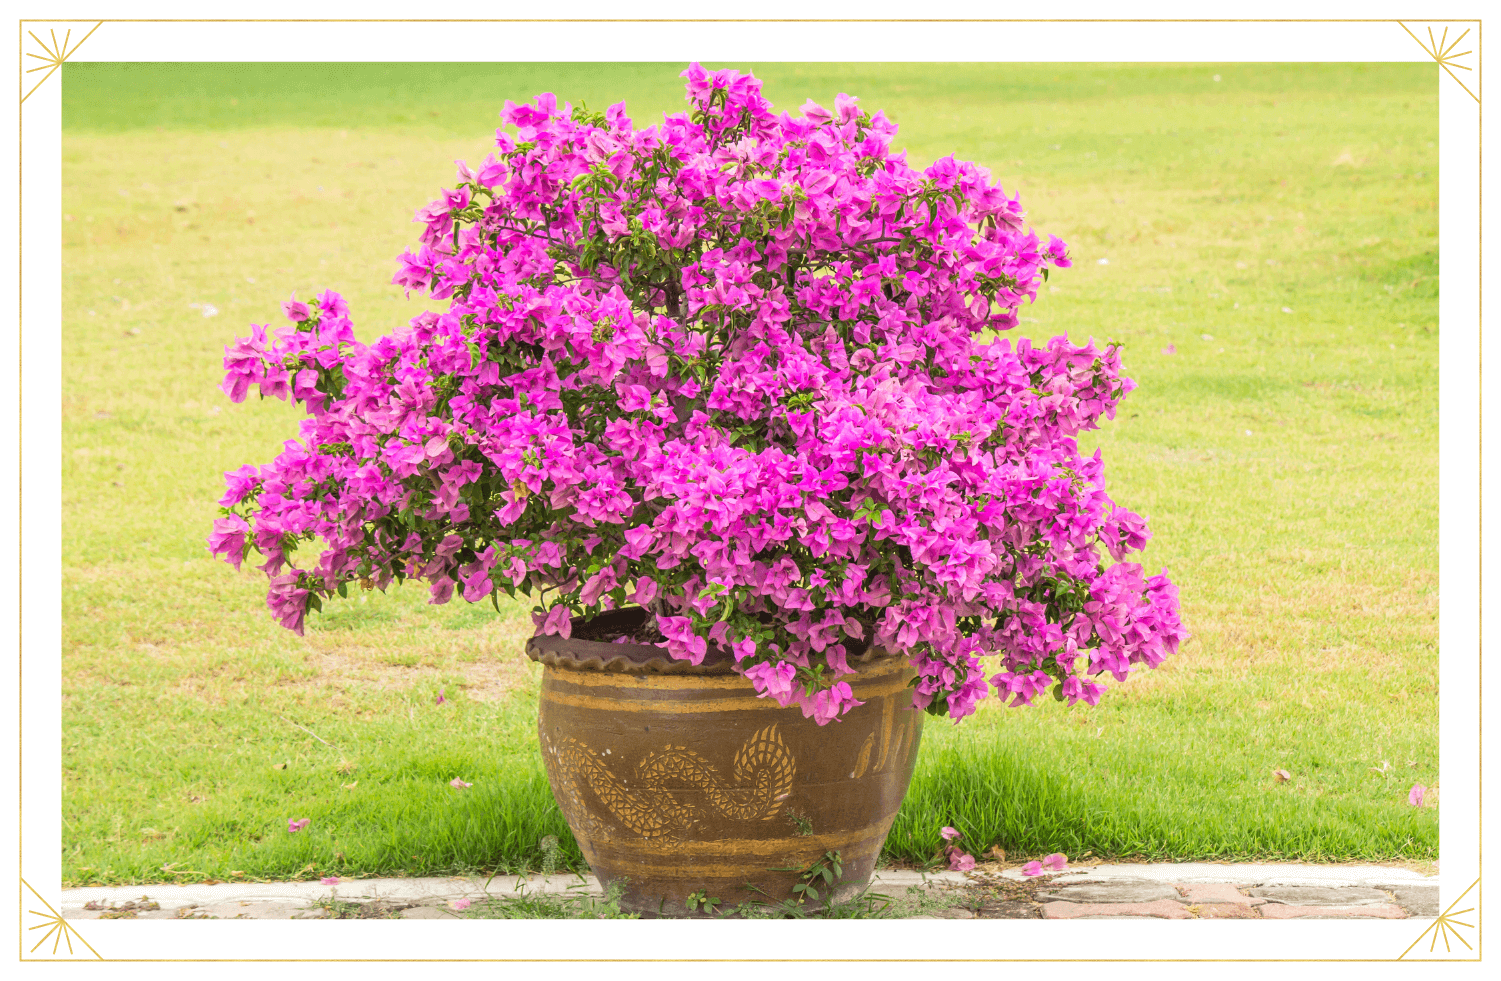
(53, 55)
(1446, 924)
(1441, 50)
(59, 930)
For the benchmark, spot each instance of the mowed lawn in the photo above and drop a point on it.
(1262, 238)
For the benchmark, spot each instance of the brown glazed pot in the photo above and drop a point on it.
(677, 778)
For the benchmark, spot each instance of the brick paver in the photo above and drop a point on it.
(1165, 909)
(1110, 892)
(1417, 900)
(1215, 892)
(1280, 911)
(1322, 895)
(1226, 911)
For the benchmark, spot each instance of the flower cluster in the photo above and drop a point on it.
(739, 368)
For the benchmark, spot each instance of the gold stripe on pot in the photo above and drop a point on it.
(587, 678)
(756, 847)
(692, 707)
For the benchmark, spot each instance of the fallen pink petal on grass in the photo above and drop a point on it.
(959, 861)
(1416, 794)
(949, 834)
(1170, 349)
(462, 903)
(1056, 861)
(294, 825)
(329, 880)
(440, 699)
(1281, 776)
(459, 784)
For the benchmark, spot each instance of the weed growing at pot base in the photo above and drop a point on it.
(576, 905)
(1312, 609)
(573, 905)
(866, 906)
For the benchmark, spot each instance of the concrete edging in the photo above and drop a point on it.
(1109, 890)
(413, 890)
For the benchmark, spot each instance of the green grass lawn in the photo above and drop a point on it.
(1265, 245)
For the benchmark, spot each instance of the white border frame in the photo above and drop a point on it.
(35, 379)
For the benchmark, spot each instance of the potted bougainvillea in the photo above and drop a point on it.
(728, 398)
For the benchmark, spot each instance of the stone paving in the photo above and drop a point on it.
(1201, 891)
(1208, 891)
(1225, 900)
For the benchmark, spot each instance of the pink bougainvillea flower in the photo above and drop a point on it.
(776, 680)
(1056, 861)
(949, 834)
(1281, 776)
(294, 825)
(440, 699)
(1032, 868)
(461, 904)
(1416, 795)
(557, 621)
(329, 880)
(295, 311)
(288, 597)
(1170, 349)
(959, 861)
(746, 369)
(240, 483)
(229, 539)
(458, 783)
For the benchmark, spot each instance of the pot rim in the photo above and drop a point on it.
(576, 654)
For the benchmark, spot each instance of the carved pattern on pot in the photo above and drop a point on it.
(888, 720)
(763, 771)
(863, 761)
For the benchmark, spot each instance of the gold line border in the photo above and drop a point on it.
(729, 20)
(762, 960)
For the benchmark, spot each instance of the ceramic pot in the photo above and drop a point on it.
(676, 778)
